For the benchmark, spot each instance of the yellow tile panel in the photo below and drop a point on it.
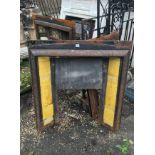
(45, 89)
(111, 91)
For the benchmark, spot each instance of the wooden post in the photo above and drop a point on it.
(93, 102)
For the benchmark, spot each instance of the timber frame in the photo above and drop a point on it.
(77, 48)
(55, 24)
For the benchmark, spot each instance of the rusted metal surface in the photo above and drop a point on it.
(114, 44)
(55, 29)
(78, 53)
(122, 44)
(125, 65)
(36, 93)
(112, 36)
(102, 94)
(52, 25)
(82, 48)
(85, 48)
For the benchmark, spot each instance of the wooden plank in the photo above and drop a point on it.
(111, 91)
(52, 25)
(45, 89)
(93, 103)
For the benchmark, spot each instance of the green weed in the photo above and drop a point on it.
(124, 146)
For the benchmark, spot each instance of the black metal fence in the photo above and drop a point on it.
(116, 15)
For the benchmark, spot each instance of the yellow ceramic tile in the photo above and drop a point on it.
(45, 89)
(111, 91)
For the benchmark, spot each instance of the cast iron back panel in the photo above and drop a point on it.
(79, 73)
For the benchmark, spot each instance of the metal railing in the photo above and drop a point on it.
(116, 15)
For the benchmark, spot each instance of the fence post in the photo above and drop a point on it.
(98, 18)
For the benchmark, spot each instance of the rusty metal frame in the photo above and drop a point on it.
(86, 49)
(53, 26)
(56, 24)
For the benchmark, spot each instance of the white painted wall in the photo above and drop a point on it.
(84, 9)
(80, 8)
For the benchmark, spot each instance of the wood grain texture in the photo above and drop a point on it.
(93, 103)
(111, 91)
(45, 89)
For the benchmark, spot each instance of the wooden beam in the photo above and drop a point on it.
(93, 103)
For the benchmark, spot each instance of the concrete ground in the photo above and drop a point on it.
(76, 133)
